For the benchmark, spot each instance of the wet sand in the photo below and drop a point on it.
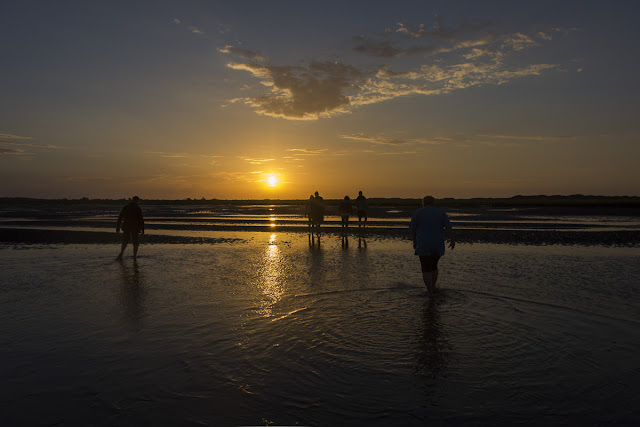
(234, 319)
(630, 238)
(282, 328)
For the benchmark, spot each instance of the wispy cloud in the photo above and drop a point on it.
(531, 138)
(10, 136)
(192, 28)
(394, 141)
(171, 155)
(258, 161)
(4, 151)
(25, 144)
(443, 60)
(242, 53)
(18, 140)
(307, 151)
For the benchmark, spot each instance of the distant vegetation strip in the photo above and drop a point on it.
(576, 200)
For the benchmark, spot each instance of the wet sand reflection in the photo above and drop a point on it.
(434, 351)
(133, 292)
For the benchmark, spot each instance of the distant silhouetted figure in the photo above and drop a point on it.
(132, 224)
(317, 210)
(308, 210)
(362, 206)
(428, 226)
(345, 210)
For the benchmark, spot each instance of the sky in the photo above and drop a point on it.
(278, 99)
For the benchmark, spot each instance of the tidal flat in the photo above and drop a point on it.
(275, 325)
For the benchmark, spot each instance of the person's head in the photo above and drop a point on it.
(135, 199)
(428, 200)
(317, 194)
(359, 193)
(311, 196)
(346, 197)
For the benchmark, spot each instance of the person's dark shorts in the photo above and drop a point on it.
(362, 214)
(429, 262)
(130, 235)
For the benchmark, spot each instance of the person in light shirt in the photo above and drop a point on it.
(429, 225)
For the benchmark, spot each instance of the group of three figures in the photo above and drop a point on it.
(315, 210)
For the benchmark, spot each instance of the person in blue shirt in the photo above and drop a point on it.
(428, 227)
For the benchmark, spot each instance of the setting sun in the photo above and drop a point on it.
(272, 181)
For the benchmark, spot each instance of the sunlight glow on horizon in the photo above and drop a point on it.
(272, 181)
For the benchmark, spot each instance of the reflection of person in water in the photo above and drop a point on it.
(344, 210)
(434, 349)
(133, 292)
(314, 241)
(132, 224)
(428, 226)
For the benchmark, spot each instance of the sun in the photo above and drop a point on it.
(272, 181)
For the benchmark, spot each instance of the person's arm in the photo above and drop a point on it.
(141, 221)
(452, 238)
(120, 218)
(414, 238)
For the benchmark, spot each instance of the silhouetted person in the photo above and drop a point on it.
(345, 210)
(308, 210)
(362, 205)
(132, 224)
(317, 210)
(428, 226)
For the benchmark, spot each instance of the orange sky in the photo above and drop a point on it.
(193, 100)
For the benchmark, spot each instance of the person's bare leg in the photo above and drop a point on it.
(434, 279)
(427, 277)
(135, 250)
(125, 242)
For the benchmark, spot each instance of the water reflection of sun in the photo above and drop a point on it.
(271, 283)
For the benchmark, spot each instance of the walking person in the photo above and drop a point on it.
(362, 205)
(428, 227)
(132, 224)
(345, 210)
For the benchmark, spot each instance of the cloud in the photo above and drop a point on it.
(243, 53)
(178, 155)
(403, 41)
(307, 151)
(193, 29)
(24, 144)
(394, 141)
(437, 62)
(11, 151)
(258, 161)
(19, 141)
(319, 89)
(531, 138)
(10, 136)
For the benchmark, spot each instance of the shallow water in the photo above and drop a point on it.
(280, 328)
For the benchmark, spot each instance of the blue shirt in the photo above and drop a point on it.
(429, 224)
